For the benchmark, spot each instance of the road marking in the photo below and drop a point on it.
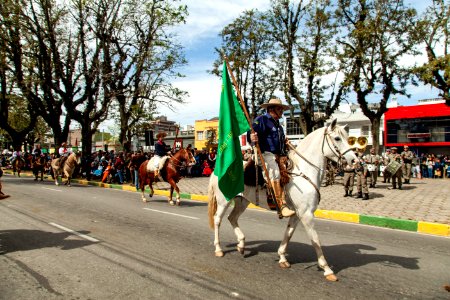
(51, 189)
(74, 232)
(168, 213)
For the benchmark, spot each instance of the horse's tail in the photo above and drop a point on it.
(212, 204)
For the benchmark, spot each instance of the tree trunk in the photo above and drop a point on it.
(376, 133)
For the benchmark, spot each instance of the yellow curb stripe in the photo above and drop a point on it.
(129, 188)
(434, 228)
(162, 193)
(203, 198)
(337, 215)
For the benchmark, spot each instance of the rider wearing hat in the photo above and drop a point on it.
(160, 152)
(64, 153)
(271, 138)
(407, 156)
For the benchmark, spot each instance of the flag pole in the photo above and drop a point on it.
(258, 149)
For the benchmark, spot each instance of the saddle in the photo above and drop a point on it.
(250, 172)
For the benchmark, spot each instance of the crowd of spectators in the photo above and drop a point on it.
(112, 167)
(117, 167)
(432, 166)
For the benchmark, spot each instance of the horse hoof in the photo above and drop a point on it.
(240, 250)
(331, 277)
(171, 203)
(285, 265)
(219, 253)
(144, 200)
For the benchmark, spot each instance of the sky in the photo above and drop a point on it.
(200, 35)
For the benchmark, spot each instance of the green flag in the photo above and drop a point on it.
(232, 123)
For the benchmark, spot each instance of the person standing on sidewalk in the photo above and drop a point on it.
(398, 175)
(361, 175)
(386, 174)
(372, 160)
(407, 157)
(349, 177)
(2, 196)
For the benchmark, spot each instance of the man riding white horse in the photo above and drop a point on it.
(64, 153)
(271, 138)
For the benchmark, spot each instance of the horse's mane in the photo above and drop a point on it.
(308, 141)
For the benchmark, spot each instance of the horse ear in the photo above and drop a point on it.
(333, 124)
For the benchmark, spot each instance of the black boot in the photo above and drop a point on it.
(359, 195)
(346, 194)
(366, 196)
(384, 181)
(399, 187)
(350, 193)
(394, 186)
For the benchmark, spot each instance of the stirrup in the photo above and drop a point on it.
(286, 211)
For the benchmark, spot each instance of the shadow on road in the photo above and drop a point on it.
(339, 257)
(24, 240)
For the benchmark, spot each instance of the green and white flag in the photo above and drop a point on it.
(232, 123)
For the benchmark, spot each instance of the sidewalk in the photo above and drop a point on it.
(422, 206)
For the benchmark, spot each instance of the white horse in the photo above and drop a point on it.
(302, 192)
(71, 162)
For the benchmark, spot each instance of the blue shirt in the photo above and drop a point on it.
(160, 148)
(270, 134)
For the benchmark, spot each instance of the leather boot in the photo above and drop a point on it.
(359, 195)
(366, 196)
(279, 197)
(350, 193)
(394, 186)
(346, 194)
(62, 161)
(157, 176)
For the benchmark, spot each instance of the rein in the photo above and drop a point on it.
(336, 152)
(176, 159)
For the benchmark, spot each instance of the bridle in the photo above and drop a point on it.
(333, 147)
(180, 162)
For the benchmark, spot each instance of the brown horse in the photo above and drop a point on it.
(170, 172)
(18, 166)
(67, 169)
(38, 164)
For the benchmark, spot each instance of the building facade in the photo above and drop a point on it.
(425, 127)
(206, 133)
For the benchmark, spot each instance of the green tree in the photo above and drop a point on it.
(433, 31)
(374, 40)
(247, 45)
(17, 112)
(305, 36)
(141, 56)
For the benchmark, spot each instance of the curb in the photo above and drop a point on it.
(378, 221)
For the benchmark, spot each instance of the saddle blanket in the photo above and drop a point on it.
(160, 162)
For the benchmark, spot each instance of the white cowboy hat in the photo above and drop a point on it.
(275, 102)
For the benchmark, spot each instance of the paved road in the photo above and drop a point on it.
(135, 250)
(422, 200)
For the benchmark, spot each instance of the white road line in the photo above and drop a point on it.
(168, 213)
(74, 232)
(51, 189)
